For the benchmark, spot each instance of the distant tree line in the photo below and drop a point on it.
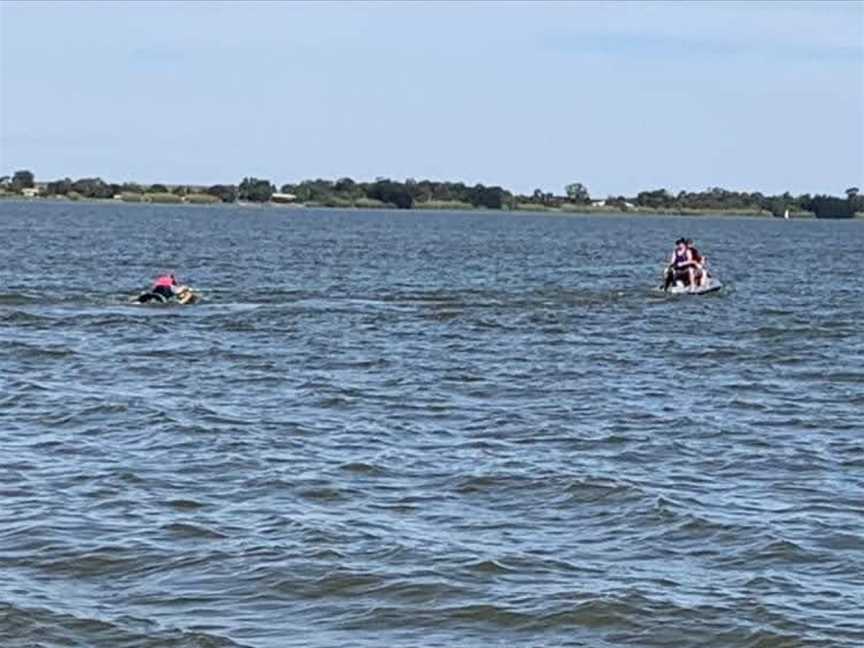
(403, 195)
(414, 193)
(723, 199)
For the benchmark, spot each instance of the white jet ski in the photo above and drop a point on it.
(678, 287)
(686, 265)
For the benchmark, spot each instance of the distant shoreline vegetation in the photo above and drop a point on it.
(427, 194)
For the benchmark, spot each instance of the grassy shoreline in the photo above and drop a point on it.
(442, 206)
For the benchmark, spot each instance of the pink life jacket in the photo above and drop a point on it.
(165, 280)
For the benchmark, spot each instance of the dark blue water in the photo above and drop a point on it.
(400, 429)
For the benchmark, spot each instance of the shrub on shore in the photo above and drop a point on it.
(585, 209)
(532, 207)
(371, 203)
(335, 201)
(202, 199)
(163, 198)
(455, 205)
(699, 211)
(130, 197)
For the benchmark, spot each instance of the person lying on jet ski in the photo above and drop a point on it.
(681, 266)
(166, 286)
(165, 289)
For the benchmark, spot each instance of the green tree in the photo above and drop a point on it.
(391, 192)
(855, 200)
(541, 198)
(22, 180)
(831, 207)
(777, 206)
(59, 187)
(92, 188)
(346, 186)
(577, 193)
(489, 197)
(255, 190)
(658, 198)
(225, 193)
(314, 190)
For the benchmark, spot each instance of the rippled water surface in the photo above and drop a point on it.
(413, 429)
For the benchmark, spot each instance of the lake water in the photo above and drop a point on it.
(427, 429)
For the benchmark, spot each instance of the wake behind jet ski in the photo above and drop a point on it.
(166, 289)
(687, 271)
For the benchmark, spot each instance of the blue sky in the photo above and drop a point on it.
(762, 96)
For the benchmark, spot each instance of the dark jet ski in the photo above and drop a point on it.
(184, 296)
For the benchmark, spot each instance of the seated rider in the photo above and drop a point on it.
(700, 262)
(165, 286)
